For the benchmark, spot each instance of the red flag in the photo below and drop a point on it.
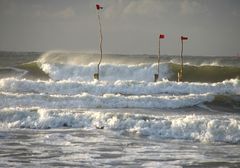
(98, 7)
(161, 36)
(184, 38)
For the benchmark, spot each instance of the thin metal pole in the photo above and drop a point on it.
(156, 76)
(158, 56)
(101, 40)
(181, 71)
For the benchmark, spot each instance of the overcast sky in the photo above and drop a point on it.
(129, 26)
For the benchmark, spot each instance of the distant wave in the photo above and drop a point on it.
(75, 66)
(206, 73)
(108, 72)
(6, 72)
(63, 65)
(114, 72)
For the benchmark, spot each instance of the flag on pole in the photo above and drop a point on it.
(161, 36)
(98, 7)
(184, 38)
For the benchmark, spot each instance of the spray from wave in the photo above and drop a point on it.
(75, 66)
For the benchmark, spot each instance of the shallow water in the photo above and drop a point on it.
(60, 141)
(102, 148)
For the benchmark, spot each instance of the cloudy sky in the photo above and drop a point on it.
(129, 26)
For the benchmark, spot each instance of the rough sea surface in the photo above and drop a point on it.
(54, 114)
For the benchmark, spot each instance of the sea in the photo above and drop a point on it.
(53, 113)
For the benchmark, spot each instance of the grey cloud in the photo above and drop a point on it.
(129, 26)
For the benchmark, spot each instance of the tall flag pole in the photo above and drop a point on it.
(156, 76)
(99, 7)
(180, 74)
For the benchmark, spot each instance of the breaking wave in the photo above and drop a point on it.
(75, 66)
(201, 128)
(119, 94)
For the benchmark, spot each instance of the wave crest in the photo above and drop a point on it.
(188, 127)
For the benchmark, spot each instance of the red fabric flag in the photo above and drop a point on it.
(184, 38)
(161, 36)
(98, 7)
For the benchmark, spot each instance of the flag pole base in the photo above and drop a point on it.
(96, 76)
(180, 79)
(155, 77)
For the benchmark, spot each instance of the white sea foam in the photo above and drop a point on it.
(204, 128)
(85, 100)
(108, 72)
(118, 87)
(212, 64)
(107, 94)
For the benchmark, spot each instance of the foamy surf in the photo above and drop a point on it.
(58, 65)
(130, 87)
(86, 100)
(203, 128)
(109, 72)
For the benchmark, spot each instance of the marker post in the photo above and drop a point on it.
(156, 76)
(99, 7)
(180, 74)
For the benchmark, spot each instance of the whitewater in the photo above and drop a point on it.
(53, 113)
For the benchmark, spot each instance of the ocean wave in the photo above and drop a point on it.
(86, 100)
(75, 66)
(6, 72)
(119, 87)
(203, 128)
(205, 73)
(140, 72)
(108, 72)
(63, 65)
